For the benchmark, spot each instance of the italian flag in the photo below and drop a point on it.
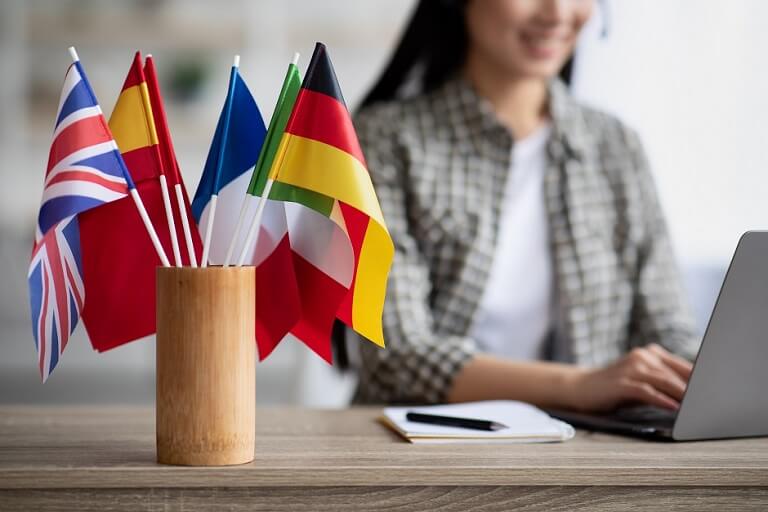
(239, 146)
(277, 297)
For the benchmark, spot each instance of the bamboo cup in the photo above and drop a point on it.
(206, 357)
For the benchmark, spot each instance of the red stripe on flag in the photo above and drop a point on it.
(278, 306)
(135, 74)
(357, 225)
(320, 299)
(89, 177)
(36, 248)
(80, 134)
(320, 117)
(142, 163)
(60, 287)
(75, 291)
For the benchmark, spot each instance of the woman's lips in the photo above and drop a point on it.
(544, 47)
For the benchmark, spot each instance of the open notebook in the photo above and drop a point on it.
(526, 423)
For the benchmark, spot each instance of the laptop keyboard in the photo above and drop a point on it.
(646, 415)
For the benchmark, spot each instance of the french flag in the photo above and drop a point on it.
(235, 148)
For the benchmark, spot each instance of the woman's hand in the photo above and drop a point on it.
(650, 375)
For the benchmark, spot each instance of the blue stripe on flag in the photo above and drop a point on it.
(54, 346)
(36, 298)
(73, 316)
(244, 139)
(79, 97)
(108, 163)
(58, 208)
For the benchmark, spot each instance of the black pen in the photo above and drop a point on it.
(452, 421)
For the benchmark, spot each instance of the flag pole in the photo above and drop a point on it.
(179, 186)
(164, 188)
(148, 223)
(248, 201)
(171, 221)
(256, 222)
(185, 224)
(135, 195)
(220, 162)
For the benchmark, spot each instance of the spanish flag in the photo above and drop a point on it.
(119, 259)
(342, 249)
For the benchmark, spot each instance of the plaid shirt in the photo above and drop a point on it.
(439, 163)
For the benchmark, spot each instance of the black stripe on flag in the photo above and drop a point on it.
(320, 76)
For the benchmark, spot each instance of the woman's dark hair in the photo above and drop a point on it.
(433, 47)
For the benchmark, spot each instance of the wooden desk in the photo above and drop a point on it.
(104, 459)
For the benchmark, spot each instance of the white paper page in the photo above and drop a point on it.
(522, 420)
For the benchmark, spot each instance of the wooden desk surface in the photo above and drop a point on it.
(104, 459)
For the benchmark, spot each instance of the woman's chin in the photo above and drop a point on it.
(538, 69)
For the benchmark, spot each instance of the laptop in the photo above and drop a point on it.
(727, 394)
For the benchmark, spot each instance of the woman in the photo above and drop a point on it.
(532, 258)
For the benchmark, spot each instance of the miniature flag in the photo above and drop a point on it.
(119, 259)
(193, 246)
(278, 306)
(342, 249)
(234, 150)
(85, 170)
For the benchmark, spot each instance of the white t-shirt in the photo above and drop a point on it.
(516, 313)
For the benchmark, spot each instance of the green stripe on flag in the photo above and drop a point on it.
(285, 192)
(283, 108)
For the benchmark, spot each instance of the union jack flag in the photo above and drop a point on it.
(85, 170)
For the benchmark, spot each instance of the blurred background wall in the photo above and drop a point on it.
(687, 75)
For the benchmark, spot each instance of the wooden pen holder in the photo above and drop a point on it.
(206, 357)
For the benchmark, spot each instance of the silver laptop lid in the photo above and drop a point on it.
(727, 394)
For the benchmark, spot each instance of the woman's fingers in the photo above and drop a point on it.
(665, 381)
(645, 392)
(650, 375)
(681, 366)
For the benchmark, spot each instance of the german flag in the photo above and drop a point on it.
(342, 249)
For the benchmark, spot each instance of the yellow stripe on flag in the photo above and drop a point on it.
(131, 121)
(322, 168)
(371, 283)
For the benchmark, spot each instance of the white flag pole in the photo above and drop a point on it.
(255, 223)
(171, 221)
(185, 225)
(135, 195)
(148, 225)
(219, 163)
(73, 54)
(247, 201)
(166, 196)
(209, 231)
